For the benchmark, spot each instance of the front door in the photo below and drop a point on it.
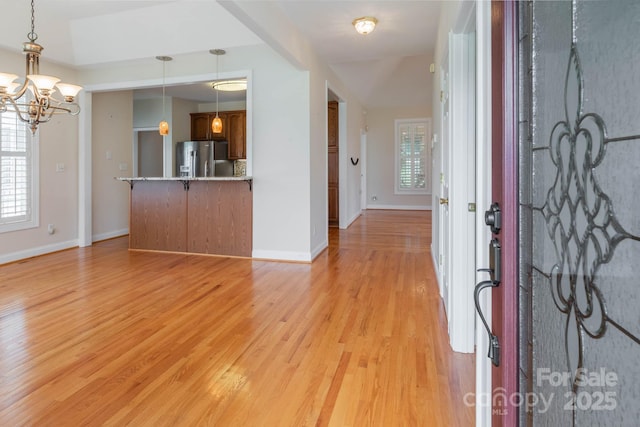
(504, 300)
(580, 247)
(566, 143)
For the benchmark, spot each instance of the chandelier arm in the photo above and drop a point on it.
(64, 108)
(17, 110)
(22, 90)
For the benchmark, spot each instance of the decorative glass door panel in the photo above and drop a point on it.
(579, 216)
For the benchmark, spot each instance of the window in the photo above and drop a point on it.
(412, 156)
(18, 174)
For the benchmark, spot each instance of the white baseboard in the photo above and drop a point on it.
(401, 207)
(281, 256)
(41, 250)
(109, 235)
(353, 218)
(436, 268)
(318, 250)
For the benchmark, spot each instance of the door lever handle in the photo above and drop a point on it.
(494, 344)
(444, 201)
(494, 270)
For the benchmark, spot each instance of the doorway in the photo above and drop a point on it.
(148, 153)
(457, 193)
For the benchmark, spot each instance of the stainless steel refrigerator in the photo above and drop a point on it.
(202, 159)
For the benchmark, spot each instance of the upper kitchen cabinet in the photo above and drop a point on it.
(234, 130)
(201, 127)
(236, 134)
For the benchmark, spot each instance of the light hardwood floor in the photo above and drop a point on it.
(105, 336)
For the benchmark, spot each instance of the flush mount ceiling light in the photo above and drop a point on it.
(365, 25)
(163, 127)
(230, 85)
(36, 105)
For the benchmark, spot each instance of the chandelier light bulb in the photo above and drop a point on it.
(6, 79)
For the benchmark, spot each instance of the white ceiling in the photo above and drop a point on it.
(91, 33)
(405, 28)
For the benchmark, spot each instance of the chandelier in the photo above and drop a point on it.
(32, 100)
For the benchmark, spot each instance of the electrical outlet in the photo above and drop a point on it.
(51, 229)
(123, 166)
(374, 197)
(60, 167)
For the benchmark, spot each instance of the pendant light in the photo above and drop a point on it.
(163, 127)
(216, 124)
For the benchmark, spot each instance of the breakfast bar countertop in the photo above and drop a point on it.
(186, 178)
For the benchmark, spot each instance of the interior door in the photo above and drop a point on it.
(443, 234)
(333, 165)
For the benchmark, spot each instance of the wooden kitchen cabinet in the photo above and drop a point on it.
(207, 217)
(236, 134)
(158, 217)
(201, 127)
(234, 130)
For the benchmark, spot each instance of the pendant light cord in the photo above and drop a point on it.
(217, 77)
(164, 63)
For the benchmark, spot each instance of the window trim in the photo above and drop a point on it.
(396, 156)
(33, 162)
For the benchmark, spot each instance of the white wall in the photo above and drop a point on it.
(279, 143)
(112, 124)
(222, 106)
(381, 157)
(268, 21)
(58, 142)
(147, 113)
(180, 120)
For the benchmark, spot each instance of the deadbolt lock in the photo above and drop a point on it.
(493, 218)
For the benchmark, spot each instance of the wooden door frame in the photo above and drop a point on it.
(504, 45)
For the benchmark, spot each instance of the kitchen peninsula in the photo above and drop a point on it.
(205, 215)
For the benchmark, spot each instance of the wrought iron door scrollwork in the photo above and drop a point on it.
(580, 220)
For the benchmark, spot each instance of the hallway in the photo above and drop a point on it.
(105, 336)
